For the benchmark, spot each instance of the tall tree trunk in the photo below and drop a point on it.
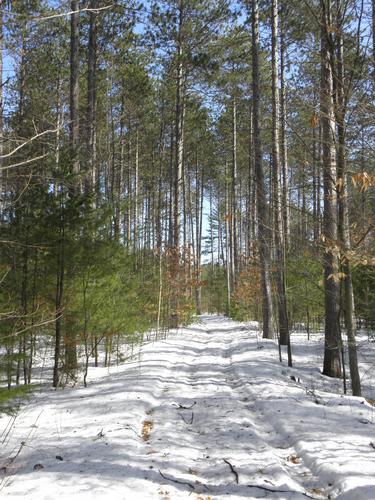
(284, 145)
(24, 305)
(279, 254)
(120, 179)
(198, 234)
(136, 190)
(303, 181)
(170, 187)
(319, 181)
(74, 87)
(249, 198)
(344, 226)
(70, 339)
(91, 102)
(161, 150)
(112, 170)
(60, 276)
(233, 208)
(227, 243)
(332, 364)
(178, 165)
(2, 184)
(316, 186)
(263, 228)
(129, 190)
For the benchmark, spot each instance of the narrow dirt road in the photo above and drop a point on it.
(208, 413)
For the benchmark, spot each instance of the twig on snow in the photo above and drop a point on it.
(303, 493)
(233, 470)
(186, 483)
(186, 421)
(11, 460)
(9, 427)
(128, 426)
(182, 407)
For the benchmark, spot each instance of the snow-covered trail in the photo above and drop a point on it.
(208, 413)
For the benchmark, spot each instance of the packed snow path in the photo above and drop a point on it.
(208, 413)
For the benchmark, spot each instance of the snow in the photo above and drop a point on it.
(207, 413)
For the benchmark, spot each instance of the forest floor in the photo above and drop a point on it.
(208, 413)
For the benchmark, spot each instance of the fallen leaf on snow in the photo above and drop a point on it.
(317, 491)
(164, 493)
(146, 429)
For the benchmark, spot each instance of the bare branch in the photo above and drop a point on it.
(64, 14)
(15, 334)
(26, 162)
(50, 131)
(233, 470)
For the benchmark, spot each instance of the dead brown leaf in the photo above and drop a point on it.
(146, 429)
(314, 122)
(294, 459)
(317, 491)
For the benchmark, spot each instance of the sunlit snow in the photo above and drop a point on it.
(208, 413)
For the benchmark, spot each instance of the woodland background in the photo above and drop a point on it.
(162, 159)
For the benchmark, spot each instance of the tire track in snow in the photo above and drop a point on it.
(291, 462)
(213, 399)
(222, 435)
(264, 430)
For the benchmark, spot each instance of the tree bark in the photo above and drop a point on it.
(60, 275)
(227, 244)
(279, 247)
(2, 187)
(178, 165)
(331, 364)
(198, 235)
(136, 190)
(70, 340)
(264, 233)
(233, 207)
(91, 102)
(344, 225)
(74, 87)
(284, 146)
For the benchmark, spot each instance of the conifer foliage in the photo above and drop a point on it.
(165, 158)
